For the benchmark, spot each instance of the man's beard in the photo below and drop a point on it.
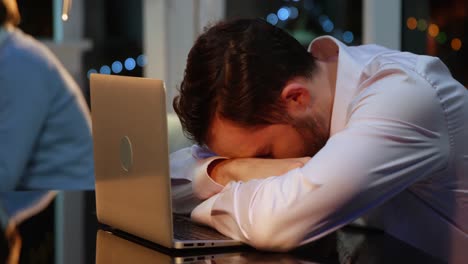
(314, 133)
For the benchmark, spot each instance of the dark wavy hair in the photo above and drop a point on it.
(9, 13)
(238, 69)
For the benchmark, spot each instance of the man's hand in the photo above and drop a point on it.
(223, 171)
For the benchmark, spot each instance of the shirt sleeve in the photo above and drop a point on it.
(23, 109)
(190, 181)
(395, 136)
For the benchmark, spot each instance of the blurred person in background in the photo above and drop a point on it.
(10, 241)
(45, 135)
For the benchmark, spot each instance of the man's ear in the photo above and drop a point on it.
(296, 96)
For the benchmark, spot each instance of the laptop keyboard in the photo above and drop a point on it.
(185, 229)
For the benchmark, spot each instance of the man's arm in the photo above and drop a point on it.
(23, 109)
(197, 174)
(224, 171)
(189, 178)
(389, 144)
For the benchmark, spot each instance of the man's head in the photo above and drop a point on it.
(246, 85)
(9, 13)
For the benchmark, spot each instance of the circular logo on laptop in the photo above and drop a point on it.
(126, 154)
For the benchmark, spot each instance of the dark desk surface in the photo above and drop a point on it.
(347, 245)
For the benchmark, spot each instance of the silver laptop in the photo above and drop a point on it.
(112, 248)
(133, 186)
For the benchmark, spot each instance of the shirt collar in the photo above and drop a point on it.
(347, 77)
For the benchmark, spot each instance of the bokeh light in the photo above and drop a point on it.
(322, 19)
(117, 66)
(130, 64)
(433, 30)
(293, 12)
(328, 26)
(283, 13)
(411, 23)
(456, 44)
(91, 71)
(141, 60)
(348, 37)
(422, 24)
(105, 69)
(441, 38)
(272, 19)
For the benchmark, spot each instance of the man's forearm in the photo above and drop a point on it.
(223, 171)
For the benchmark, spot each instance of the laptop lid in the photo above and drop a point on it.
(131, 156)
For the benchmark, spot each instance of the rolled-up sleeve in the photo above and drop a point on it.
(395, 136)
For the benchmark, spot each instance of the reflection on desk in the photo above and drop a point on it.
(111, 248)
(75, 243)
(348, 245)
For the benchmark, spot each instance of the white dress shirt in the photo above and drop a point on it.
(397, 155)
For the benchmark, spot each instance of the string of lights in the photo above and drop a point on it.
(291, 12)
(117, 67)
(433, 30)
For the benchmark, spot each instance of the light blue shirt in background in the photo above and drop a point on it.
(45, 131)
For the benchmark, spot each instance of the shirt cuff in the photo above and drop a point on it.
(202, 213)
(203, 186)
